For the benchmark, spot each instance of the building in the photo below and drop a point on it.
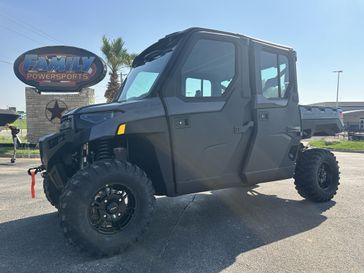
(354, 120)
(45, 110)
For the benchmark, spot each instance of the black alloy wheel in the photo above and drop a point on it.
(111, 208)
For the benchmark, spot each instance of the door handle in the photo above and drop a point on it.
(183, 122)
(244, 128)
(263, 116)
(294, 130)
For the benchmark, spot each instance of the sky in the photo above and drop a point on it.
(327, 35)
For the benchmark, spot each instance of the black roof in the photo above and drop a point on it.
(238, 35)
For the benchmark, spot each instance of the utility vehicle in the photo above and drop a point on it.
(200, 110)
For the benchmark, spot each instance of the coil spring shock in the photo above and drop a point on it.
(103, 150)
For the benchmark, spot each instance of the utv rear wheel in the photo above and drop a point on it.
(51, 192)
(317, 175)
(106, 207)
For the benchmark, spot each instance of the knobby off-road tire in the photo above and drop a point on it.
(106, 228)
(51, 192)
(317, 175)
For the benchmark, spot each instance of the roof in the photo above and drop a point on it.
(195, 29)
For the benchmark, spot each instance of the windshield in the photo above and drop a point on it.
(141, 78)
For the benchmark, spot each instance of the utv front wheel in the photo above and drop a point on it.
(317, 175)
(51, 192)
(106, 207)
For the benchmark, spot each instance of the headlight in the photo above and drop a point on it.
(96, 118)
(66, 123)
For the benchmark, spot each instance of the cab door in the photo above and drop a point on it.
(209, 114)
(276, 114)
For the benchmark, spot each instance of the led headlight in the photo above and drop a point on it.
(96, 118)
(66, 123)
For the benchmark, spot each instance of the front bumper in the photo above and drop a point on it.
(56, 146)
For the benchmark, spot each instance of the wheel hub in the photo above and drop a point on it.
(111, 208)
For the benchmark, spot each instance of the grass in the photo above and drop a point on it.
(9, 139)
(5, 137)
(8, 151)
(21, 123)
(338, 145)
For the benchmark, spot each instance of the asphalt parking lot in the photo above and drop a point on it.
(265, 229)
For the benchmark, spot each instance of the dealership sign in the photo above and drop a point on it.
(59, 68)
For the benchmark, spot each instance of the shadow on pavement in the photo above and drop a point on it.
(7, 164)
(194, 233)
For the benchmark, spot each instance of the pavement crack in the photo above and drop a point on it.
(179, 219)
(161, 253)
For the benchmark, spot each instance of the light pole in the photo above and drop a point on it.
(337, 86)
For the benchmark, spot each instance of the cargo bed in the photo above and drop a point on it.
(324, 121)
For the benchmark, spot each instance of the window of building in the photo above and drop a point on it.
(209, 69)
(274, 74)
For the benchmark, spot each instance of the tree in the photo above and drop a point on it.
(116, 56)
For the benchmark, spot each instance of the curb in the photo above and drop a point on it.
(346, 151)
(341, 150)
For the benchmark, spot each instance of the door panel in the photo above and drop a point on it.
(277, 117)
(208, 151)
(208, 136)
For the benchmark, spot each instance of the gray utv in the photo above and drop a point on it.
(200, 110)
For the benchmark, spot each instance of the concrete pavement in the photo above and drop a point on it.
(266, 229)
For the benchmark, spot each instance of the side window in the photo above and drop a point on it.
(274, 75)
(209, 69)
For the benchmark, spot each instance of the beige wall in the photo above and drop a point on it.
(37, 123)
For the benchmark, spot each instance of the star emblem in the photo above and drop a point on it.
(56, 111)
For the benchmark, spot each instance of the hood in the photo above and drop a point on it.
(113, 106)
(94, 108)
